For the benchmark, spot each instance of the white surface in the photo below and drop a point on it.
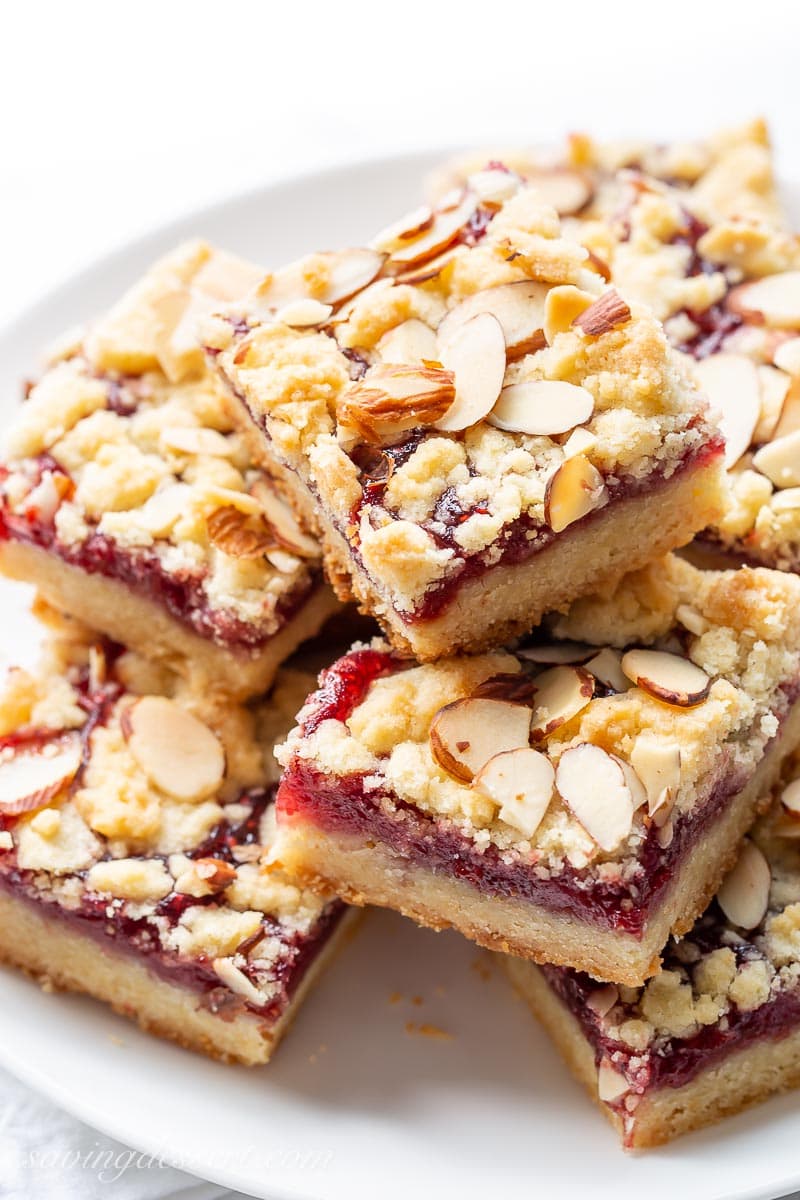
(354, 1103)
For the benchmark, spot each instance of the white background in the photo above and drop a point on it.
(117, 116)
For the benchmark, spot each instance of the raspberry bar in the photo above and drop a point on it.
(130, 500)
(480, 428)
(719, 1028)
(135, 833)
(572, 801)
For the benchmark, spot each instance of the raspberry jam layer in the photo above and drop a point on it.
(106, 922)
(181, 592)
(346, 806)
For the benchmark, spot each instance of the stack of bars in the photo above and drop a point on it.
(492, 428)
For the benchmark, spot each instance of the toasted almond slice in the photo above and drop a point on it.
(744, 894)
(774, 385)
(611, 1083)
(561, 693)
(391, 399)
(176, 751)
(787, 356)
(428, 270)
(787, 500)
(580, 441)
(790, 797)
(521, 783)
(493, 186)
(608, 312)
(444, 230)
(606, 666)
(397, 235)
(557, 653)
(519, 307)
(602, 999)
(413, 342)
(189, 439)
(573, 490)
(302, 314)
(691, 619)
(464, 735)
(773, 300)
(592, 785)
(518, 687)
(349, 272)
(542, 407)
(476, 354)
(237, 534)
(637, 789)
(564, 190)
(163, 509)
(32, 775)
(780, 460)
(283, 523)
(658, 765)
(732, 385)
(564, 304)
(667, 677)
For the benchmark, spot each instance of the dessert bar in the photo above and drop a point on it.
(136, 821)
(480, 427)
(570, 801)
(131, 501)
(719, 1028)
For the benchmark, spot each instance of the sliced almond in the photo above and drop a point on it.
(413, 342)
(635, 785)
(561, 693)
(611, 1083)
(564, 190)
(667, 677)
(519, 307)
(282, 521)
(787, 356)
(517, 687)
(215, 873)
(160, 512)
(780, 460)
(775, 386)
(790, 797)
(189, 439)
(391, 399)
(787, 500)
(425, 272)
(494, 186)
(544, 407)
(658, 765)
(476, 355)
(744, 894)
(732, 385)
(773, 300)
(592, 785)
(464, 735)
(30, 776)
(521, 783)
(606, 666)
(303, 314)
(602, 999)
(580, 441)
(557, 653)
(443, 231)
(349, 271)
(397, 235)
(608, 312)
(176, 751)
(575, 489)
(691, 619)
(237, 534)
(563, 306)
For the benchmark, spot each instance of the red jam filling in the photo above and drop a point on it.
(180, 592)
(344, 805)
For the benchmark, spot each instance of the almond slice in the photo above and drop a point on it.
(391, 399)
(476, 355)
(602, 999)
(773, 300)
(564, 304)
(464, 735)
(443, 231)
(606, 313)
(521, 783)
(611, 1083)
(303, 314)
(635, 785)
(575, 489)
(237, 534)
(658, 766)
(787, 500)
(494, 186)
(189, 439)
(519, 307)
(161, 511)
(176, 751)
(744, 894)
(517, 687)
(580, 441)
(561, 693)
(667, 677)
(413, 342)
(732, 385)
(790, 797)
(774, 385)
(592, 785)
(564, 190)
(542, 407)
(283, 523)
(780, 460)
(557, 653)
(350, 271)
(30, 776)
(606, 666)
(787, 356)
(428, 270)
(405, 229)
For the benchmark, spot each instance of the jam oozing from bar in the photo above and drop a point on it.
(181, 592)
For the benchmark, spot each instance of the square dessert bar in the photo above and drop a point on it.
(570, 802)
(131, 501)
(479, 427)
(718, 1029)
(135, 835)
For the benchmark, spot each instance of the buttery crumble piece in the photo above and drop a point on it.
(472, 396)
(582, 767)
(141, 826)
(125, 468)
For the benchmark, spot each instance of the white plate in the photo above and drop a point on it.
(355, 1104)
